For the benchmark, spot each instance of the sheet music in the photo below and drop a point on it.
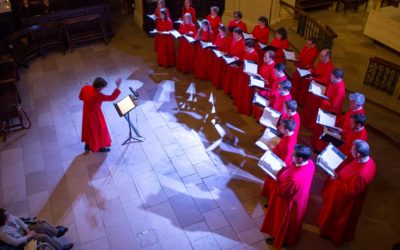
(303, 72)
(153, 31)
(218, 53)
(332, 132)
(247, 35)
(325, 118)
(178, 21)
(175, 33)
(290, 55)
(269, 139)
(317, 89)
(330, 158)
(206, 45)
(199, 22)
(250, 68)
(262, 46)
(271, 163)
(153, 17)
(270, 117)
(189, 39)
(229, 60)
(260, 100)
(256, 82)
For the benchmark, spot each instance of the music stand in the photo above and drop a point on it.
(124, 107)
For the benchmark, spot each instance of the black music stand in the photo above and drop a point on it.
(124, 107)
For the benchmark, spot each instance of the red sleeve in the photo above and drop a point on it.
(352, 187)
(82, 93)
(111, 97)
(287, 188)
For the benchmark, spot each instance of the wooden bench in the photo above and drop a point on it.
(83, 29)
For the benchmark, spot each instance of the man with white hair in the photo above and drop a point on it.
(356, 106)
(344, 196)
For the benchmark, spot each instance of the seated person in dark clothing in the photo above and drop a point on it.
(14, 232)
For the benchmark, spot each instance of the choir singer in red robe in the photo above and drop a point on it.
(322, 74)
(307, 57)
(187, 8)
(288, 202)
(356, 106)
(165, 42)
(214, 19)
(291, 112)
(237, 22)
(186, 50)
(284, 150)
(261, 34)
(344, 196)
(223, 42)
(280, 42)
(94, 128)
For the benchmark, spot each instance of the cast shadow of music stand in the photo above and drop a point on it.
(124, 107)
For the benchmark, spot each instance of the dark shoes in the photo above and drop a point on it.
(104, 150)
(270, 241)
(68, 246)
(87, 147)
(266, 205)
(61, 231)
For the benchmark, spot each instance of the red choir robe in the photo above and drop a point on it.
(296, 118)
(267, 72)
(94, 128)
(343, 199)
(279, 103)
(186, 50)
(241, 91)
(191, 11)
(288, 204)
(222, 44)
(157, 14)
(214, 23)
(165, 44)
(281, 45)
(232, 71)
(344, 122)
(273, 93)
(310, 111)
(306, 59)
(237, 24)
(283, 150)
(262, 36)
(203, 57)
(348, 144)
(336, 94)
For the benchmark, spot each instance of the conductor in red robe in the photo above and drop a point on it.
(214, 19)
(186, 50)
(322, 74)
(344, 196)
(284, 150)
(94, 128)
(187, 8)
(165, 42)
(307, 57)
(288, 202)
(335, 92)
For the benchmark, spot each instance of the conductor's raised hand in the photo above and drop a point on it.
(118, 82)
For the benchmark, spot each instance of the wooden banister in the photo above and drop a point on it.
(308, 27)
(382, 75)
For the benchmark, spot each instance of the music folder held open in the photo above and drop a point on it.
(271, 164)
(317, 89)
(269, 139)
(270, 117)
(290, 55)
(330, 158)
(326, 118)
(303, 72)
(260, 100)
(332, 135)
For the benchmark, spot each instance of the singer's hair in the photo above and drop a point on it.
(302, 152)
(99, 83)
(291, 105)
(288, 124)
(362, 147)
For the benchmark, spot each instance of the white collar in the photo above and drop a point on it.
(302, 164)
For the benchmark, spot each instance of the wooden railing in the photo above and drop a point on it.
(382, 75)
(308, 27)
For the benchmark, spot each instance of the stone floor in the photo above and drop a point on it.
(183, 187)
